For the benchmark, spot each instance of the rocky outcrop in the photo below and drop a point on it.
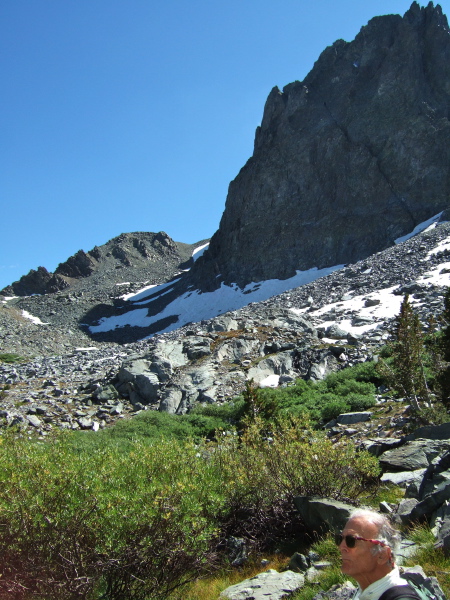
(345, 161)
(208, 365)
(35, 282)
(78, 265)
(139, 256)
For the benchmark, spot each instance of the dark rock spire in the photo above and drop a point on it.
(345, 161)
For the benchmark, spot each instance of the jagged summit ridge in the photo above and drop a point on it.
(136, 256)
(345, 161)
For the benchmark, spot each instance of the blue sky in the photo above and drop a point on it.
(135, 116)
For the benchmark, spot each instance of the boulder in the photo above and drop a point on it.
(137, 380)
(377, 446)
(440, 524)
(431, 432)
(173, 352)
(346, 591)
(299, 563)
(171, 400)
(280, 364)
(417, 577)
(403, 478)
(322, 514)
(270, 584)
(426, 507)
(318, 371)
(224, 323)
(162, 368)
(197, 347)
(34, 421)
(413, 455)
(236, 349)
(336, 332)
(237, 551)
(404, 509)
(354, 417)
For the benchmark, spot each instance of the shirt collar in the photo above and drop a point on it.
(375, 589)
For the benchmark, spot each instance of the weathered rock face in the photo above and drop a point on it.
(346, 161)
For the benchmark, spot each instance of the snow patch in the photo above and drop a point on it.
(429, 224)
(271, 381)
(388, 307)
(435, 277)
(144, 292)
(444, 245)
(35, 320)
(199, 251)
(194, 306)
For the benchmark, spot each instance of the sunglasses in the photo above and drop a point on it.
(350, 540)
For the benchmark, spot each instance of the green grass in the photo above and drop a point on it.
(385, 492)
(11, 358)
(433, 560)
(149, 426)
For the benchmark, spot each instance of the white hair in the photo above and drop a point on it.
(386, 532)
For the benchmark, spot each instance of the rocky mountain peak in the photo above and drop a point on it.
(345, 161)
(145, 255)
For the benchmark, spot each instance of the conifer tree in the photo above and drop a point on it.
(444, 377)
(257, 406)
(407, 371)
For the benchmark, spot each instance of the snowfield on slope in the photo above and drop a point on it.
(195, 306)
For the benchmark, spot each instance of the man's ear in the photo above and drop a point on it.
(385, 556)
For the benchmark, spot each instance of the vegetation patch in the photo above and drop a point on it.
(140, 520)
(352, 389)
(11, 358)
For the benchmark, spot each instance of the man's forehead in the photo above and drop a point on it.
(361, 525)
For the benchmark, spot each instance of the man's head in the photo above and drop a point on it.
(367, 545)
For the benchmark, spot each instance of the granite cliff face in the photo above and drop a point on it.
(345, 161)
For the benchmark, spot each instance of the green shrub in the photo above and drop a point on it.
(351, 389)
(365, 372)
(137, 521)
(334, 408)
(135, 525)
(359, 402)
(229, 413)
(263, 473)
